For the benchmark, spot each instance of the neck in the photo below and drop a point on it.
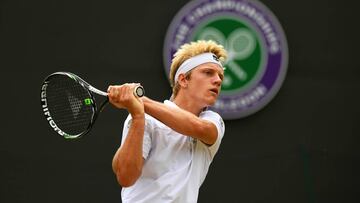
(188, 104)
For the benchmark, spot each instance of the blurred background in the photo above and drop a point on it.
(300, 148)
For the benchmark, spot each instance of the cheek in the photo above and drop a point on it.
(199, 84)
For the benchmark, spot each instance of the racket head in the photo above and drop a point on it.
(67, 104)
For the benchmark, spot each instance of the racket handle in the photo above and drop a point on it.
(139, 91)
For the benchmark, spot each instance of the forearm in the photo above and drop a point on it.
(128, 160)
(181, 121)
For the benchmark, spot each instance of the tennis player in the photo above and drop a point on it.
(167, 148)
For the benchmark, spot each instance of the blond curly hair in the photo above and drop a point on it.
(192, 49)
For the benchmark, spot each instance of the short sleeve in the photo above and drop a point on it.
(147, 134)
(216, 119)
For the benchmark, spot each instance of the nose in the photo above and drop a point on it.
(217, 80)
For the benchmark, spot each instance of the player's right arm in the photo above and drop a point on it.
(128, 161)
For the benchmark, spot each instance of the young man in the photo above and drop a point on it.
(167, 148)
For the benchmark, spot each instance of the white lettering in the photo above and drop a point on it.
(47, 113)
(181, 35)
(240, 7)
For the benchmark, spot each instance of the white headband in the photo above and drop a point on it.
(195, 61)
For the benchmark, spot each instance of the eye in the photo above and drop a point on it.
(208, 72)
(221, 77)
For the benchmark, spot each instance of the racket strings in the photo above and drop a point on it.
(67, 106)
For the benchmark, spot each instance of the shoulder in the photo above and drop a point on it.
(209, 113)
(213, 117)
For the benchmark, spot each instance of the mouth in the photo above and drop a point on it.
(215, 90)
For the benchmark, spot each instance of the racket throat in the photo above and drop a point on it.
(97, 91)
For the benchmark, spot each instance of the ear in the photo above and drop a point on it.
(183, 82)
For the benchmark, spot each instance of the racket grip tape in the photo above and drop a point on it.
(139, 91)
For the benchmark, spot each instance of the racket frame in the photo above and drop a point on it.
(87, 87)
(138, 91)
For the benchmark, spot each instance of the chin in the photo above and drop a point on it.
(211, 102)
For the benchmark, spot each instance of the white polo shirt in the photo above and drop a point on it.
(175, 165)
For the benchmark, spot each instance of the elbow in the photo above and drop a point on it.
(127, 177)
(127, 170)
(124, 181)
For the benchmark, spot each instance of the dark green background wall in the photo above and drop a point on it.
(302, 147)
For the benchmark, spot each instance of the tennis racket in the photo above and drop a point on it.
(69, 105)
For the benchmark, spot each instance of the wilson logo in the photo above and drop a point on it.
(46, 110)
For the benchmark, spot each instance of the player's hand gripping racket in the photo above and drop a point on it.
(69, 104)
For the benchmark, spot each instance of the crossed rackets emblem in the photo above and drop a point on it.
(240, 44)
